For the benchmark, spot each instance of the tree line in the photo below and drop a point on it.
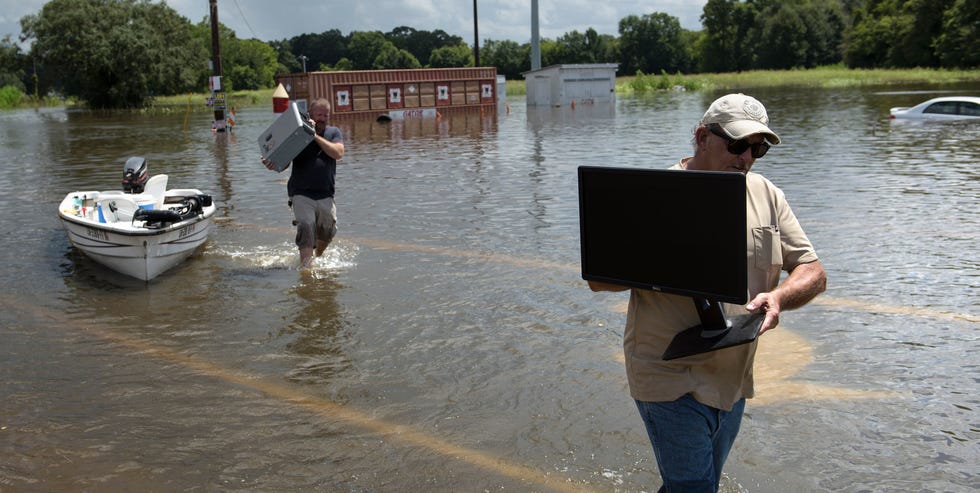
(122, 53)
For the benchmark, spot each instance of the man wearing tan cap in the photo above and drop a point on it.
(692, 406)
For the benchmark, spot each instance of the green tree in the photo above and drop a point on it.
(587, 47)
(342, 64)
(576, 47)
(781, 39)
(770, 34)
(327, 48)
(245, 63)
(692, 41)
(364, 47)
(922, 23)
(510, 58)
(897, 33)
(391, 57)
(253, 63)
(868, 42)
(959, 43)
(719, 48)
(421, 43)
(201, 32)
(11, 64)
(550, 53)
(825, 23)
(286, 61)
(115, 53)
(730, 35)
(651, 43)
(607, 49)
(452, 56)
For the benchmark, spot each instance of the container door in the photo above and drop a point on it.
(443, 94)
(486, 91)
(395, 96)
(342, 99)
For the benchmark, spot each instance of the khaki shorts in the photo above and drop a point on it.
(315, 220)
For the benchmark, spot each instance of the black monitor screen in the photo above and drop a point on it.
(681, 232)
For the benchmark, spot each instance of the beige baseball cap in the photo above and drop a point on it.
(740, 116)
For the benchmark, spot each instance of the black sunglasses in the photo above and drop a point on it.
(737, 147)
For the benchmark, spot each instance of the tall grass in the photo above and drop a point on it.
(834, 76)
(641, 83)
(198, 102)
(12, 98)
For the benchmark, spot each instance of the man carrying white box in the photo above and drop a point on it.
(311, 185)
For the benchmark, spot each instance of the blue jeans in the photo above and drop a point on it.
(691, 441)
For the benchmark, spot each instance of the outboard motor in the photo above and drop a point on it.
(196, 203)
(134, 175)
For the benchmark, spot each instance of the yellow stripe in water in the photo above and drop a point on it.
(866, 306)
(391, 431)
(781, 355)
(896, 310)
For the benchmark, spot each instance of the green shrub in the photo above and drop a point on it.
(10, 97)
(642, 83)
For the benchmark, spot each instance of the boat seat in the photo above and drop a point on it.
(117, 208)
(156, 187)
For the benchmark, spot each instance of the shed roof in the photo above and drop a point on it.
(576, 66)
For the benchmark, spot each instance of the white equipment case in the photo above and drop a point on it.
(285, 138)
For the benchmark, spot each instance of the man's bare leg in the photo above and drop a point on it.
(320, 247)
(305, 257)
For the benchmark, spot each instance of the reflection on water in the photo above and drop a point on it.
(445, 341)
(317, 330)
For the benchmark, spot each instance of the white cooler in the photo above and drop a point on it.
(285, 138)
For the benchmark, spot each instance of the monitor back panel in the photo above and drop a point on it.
(682, 232)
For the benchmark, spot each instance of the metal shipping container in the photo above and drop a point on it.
(377, 92)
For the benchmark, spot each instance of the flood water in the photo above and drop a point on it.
(446, 341)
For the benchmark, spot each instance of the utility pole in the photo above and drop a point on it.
(476, 38)
(37, 96)
(535, 37)
(217, 94)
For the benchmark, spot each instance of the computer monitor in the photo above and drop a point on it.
(680, 232)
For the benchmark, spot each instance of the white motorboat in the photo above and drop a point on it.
(142, 230)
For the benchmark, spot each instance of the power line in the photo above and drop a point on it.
(249, 26)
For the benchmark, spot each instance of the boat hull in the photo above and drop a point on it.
(139, 252)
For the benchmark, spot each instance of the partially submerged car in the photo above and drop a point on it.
(944, 108)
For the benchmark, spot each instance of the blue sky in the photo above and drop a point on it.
(498, 19)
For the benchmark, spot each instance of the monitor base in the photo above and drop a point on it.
(699, 339)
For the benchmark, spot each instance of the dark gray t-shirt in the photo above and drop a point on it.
(314, 171)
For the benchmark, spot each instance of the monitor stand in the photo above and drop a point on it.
(716, 331)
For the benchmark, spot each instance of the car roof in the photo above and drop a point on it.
(973, 99)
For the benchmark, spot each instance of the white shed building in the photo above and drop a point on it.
(560, 85)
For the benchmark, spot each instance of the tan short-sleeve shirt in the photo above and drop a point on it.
(775, 242)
